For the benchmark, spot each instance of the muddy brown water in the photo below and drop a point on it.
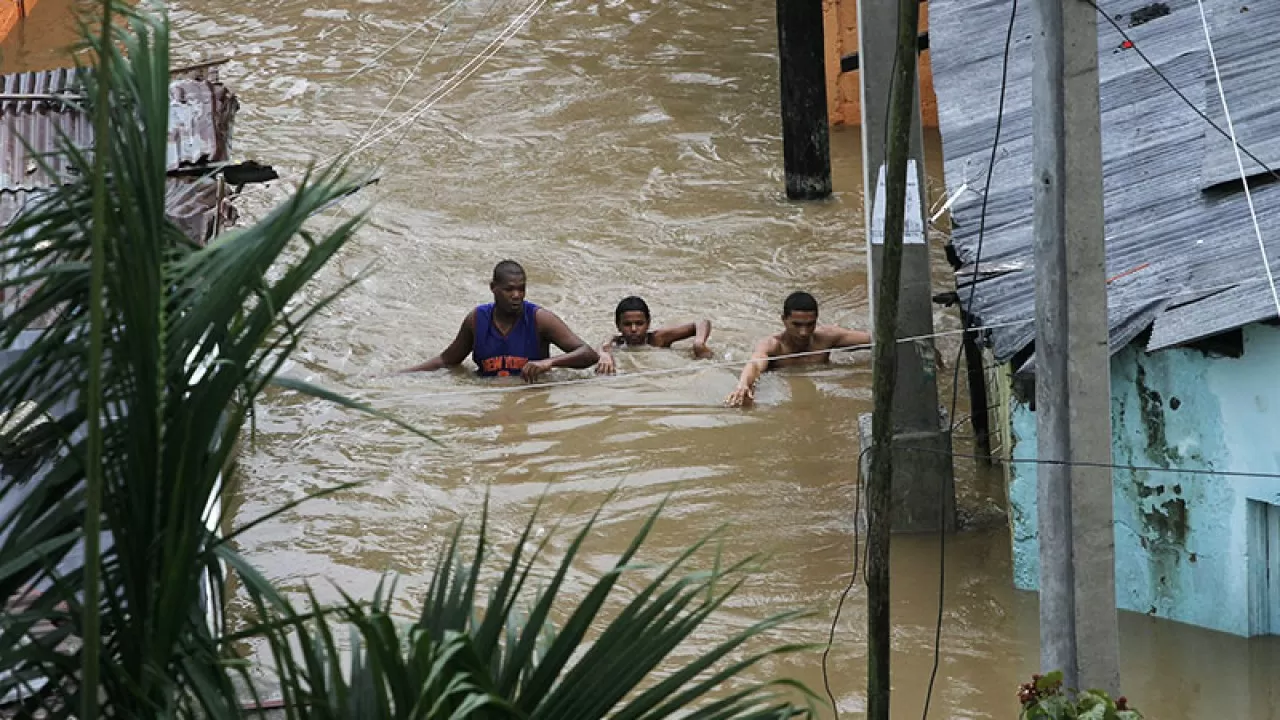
(613, 148)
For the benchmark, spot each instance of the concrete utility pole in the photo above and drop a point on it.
(1078, 619)
(923, 495)
(806, 141)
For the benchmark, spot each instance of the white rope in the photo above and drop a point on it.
(423, 106)
(701, 366)
(1244, 178)
(406, 36)
(435, 96)
(412, 73)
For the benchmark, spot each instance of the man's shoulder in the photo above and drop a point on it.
(771, 344)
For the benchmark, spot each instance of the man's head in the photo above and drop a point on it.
(799, 318)
(632, 319)
(508, 286)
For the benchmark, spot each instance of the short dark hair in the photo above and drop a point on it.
(507, 269)
(799, 302)
(630, 304)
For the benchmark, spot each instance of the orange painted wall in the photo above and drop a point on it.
(11, 11)
(844, 106)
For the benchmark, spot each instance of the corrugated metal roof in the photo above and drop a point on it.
(1184, 261)
(38, 106)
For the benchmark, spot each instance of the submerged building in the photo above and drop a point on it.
(1194, 332)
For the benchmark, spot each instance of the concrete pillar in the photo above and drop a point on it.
(1078, 619)
(923, 481)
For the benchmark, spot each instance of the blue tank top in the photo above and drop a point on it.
(498, 355)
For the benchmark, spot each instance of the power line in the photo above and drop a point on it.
(955, 381)
(853, 579)
(421, 107)
(1165, 78)
(403, 38)
(1085, 463)
(453, 10)
(1244, 178)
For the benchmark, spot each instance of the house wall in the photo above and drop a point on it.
(844, 99)
(1182, 540)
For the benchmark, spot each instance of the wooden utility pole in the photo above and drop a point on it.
(1078, 619)
(880, 484)
(806, 142)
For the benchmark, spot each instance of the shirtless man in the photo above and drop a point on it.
(632, 320)
(801, 333)
(511, 335)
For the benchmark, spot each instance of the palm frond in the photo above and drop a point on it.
(506, 662)
(183, 339)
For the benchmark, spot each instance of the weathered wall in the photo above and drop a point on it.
(12, 12)
(844, 104)
(1182, 548)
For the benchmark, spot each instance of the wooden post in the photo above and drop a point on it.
(806, 143)
(979, 405)
(880, 485)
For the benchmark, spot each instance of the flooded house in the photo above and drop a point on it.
(36, 109)
(1194, 333)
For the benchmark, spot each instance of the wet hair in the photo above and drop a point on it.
(507, 269)
(799, 302)
(630, 304)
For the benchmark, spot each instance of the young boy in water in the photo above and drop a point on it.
(632, 320)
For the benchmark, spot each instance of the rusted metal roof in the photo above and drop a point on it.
(1182, 257)
(39, 108)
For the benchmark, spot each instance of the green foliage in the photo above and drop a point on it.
(181, 340)
(508, 660)
(1044, 698)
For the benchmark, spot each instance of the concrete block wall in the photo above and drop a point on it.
(1191, 547)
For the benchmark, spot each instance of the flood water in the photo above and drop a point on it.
(613, 147)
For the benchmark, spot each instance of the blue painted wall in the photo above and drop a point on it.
(1181, 538)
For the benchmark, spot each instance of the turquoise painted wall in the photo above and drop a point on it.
(1181, 538)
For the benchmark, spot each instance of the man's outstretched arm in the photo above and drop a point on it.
(745, 394)
(699, 331)
(851, 339)
(457, 350)
(577, 354)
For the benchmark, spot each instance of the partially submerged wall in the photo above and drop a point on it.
(1190, 547)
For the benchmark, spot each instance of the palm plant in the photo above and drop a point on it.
(121, 418)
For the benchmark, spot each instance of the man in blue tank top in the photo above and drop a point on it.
(512, 336)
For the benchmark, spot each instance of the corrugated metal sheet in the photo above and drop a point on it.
(30, 110)
(1183, 261)
(37, 107)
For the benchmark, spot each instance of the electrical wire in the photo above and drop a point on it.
(1182, 96)
(853, 579)
(1244, 177)
(955, 382)
(1101, 465)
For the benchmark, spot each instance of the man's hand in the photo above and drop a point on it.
(533, 370)
(742, 396)
(606, 366)
(701, 351)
